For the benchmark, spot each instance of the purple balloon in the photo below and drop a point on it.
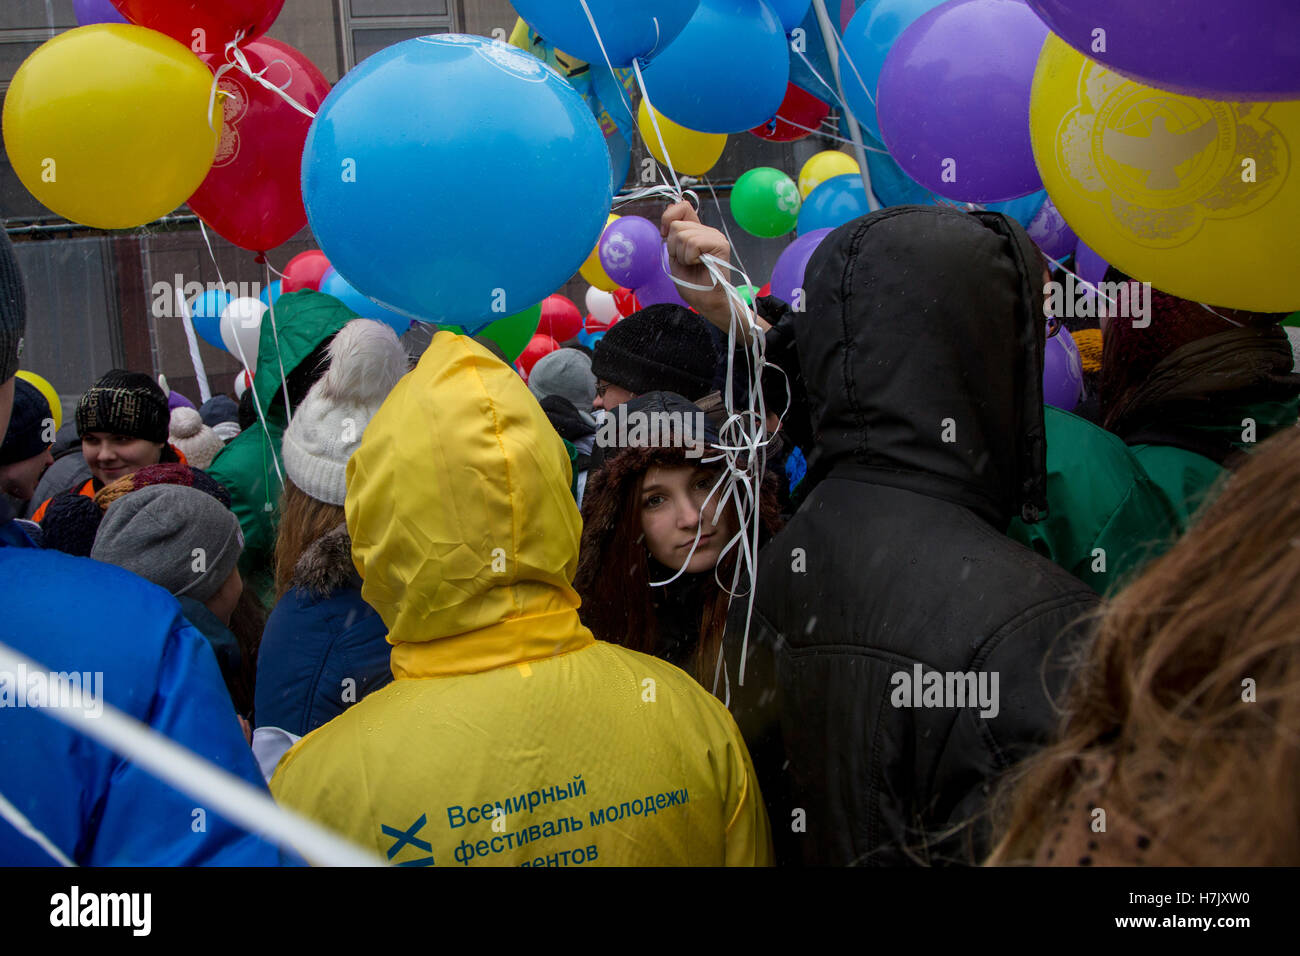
(630, 250)
(1062, 372)
(96, 11)
(1089, 266)
(1239, 50)
(660, 287)
(1053, 234)
(788, 273)
(953, 99)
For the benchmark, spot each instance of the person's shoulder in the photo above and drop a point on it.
(658, 680)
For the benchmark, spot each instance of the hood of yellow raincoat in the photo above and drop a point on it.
(463, 527)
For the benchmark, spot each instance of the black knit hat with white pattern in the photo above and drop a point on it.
(125, 403)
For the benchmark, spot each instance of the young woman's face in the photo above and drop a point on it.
(672, 508)
(111, 457)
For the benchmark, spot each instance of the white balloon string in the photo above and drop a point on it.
(275, 334)
(235, 799)
(654, 122)
(1082, 281)
(723, 218)
(252, 373)
(839, 41)
(835, 96)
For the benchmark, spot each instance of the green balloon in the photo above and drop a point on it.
(765, 202)
(513, 333)
(1293, 319)
(747, 292)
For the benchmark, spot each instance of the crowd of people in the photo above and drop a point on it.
(465, 618)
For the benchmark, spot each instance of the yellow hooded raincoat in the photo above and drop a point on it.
(510, 736)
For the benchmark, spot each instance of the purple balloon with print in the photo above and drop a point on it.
(629, 250)
(1239, 50)
(953, 99)
(96, 11)
(788, 273)
(1053, 234)
(1062, 372)
(660, 287)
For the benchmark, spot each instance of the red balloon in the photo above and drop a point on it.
(799, 109)
(204, 26)
(304, 271)
(766, 290)
(594, 324)
(560, 318)
(253, 193)
(534, 350)
(626, 302)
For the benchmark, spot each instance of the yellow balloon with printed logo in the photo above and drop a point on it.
(690, 152)
(51, 396)
(592, 270)
(109, 125)
(823, 166)
(1198, 197)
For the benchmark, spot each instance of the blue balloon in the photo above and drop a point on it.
(629, 29)
(838, 200)
(867, 41)
(892, 186)
(272, 290)
(790, 12)
(332, 283)
(455, 178)
(726, 72)
(205, 312)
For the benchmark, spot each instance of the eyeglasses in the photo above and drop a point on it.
(600, 388)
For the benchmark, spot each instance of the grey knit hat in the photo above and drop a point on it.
(13, 310)
(180, 538)
(567, 373)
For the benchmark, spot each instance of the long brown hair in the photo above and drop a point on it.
(613, 576)
(303, 522)
(1185, 714)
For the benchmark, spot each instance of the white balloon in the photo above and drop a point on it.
(242, 381)
(241, 329)
(601, 305)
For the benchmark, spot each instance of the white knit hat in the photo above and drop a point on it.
(188, 433)
(366, 361)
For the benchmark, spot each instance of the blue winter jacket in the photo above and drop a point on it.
(324, 648)
(72, 614)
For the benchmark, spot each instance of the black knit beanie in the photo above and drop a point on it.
(13, 310)
(125, 403)
(27, 425)
(661, 348)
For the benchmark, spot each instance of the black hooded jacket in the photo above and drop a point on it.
(921, 359)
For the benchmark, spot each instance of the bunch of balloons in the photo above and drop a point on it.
(113, 124)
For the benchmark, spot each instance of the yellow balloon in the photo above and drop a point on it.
(823, 166)
(691, 153)
(51, 396)
(592, 271)
(1197, 197)
(107, 125)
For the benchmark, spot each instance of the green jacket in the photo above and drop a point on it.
(248, 465)
(1106, 517)
(1185, 478)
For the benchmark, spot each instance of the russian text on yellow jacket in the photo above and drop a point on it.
(510, 736)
